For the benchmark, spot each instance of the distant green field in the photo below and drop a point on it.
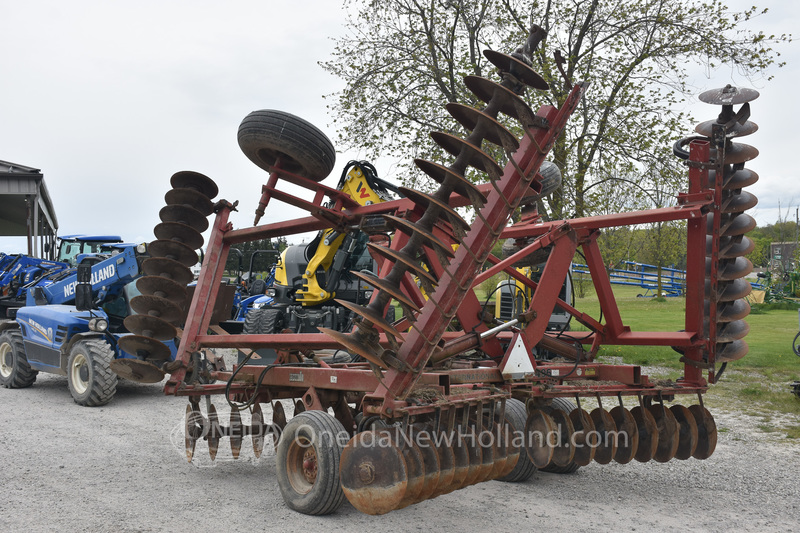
(758, 384)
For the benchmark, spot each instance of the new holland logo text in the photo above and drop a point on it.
(47, 333)
(98, 276)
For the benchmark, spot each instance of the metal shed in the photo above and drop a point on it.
(26, 209)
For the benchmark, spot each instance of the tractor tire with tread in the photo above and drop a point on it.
(268, 135)
(89, 376)
(263, 322)
(15, 371)
(307, 463)
(567, 407)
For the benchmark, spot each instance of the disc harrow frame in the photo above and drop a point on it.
(445, 367)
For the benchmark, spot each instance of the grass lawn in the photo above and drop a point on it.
(757, 385)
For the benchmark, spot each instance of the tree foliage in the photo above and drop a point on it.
(403, 59)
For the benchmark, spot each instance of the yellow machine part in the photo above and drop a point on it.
(357, 188)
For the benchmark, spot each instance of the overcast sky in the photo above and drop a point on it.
(110, 98)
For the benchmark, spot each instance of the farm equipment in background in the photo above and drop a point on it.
(315, 284)
(87, 322)
(439, 399)
(20, 273)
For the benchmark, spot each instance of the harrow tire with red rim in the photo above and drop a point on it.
(307, 463)
(268, 135)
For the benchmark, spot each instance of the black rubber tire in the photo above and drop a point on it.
(98, 386)
(322, 434)
(16, 373)
(567, 406)
(516, 416)
(266, 135)
(265, 321)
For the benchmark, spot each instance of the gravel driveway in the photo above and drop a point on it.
(121, 468)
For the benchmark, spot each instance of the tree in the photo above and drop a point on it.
(405, 58)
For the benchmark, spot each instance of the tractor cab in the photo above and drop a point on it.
(71, 246)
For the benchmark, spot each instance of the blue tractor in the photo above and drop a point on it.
(75, 325)
(19, 272)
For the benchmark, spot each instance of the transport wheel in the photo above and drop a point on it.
(516, 416)
(268, 135)
(15, 372)
(307, 463)
(89, 376)
(566, 406)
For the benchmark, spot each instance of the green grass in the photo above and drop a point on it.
(758, 384)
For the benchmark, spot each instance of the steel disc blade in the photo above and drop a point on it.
(177, 232)
(257, 429)
(370, 316)
(447, 463)
(648, 434)
(189, 198)
(520, 70)
(185, 215)
(687, 441)
(627, 435)
(373, 475)
(604, 425)
(399, 257)
(386, 287)
(463, 186)
(732, 351)
(427, 202)
(730, 269)
(213, 433)
(738, 202)
(136, 370)
(668, 433)
(508, 102)
(729, 95)
(462, 465)
(192, 430)
(157, 307)
(145, 347)
(150, 326)
(430, 463)
(706, 432)
(279, 421)
(173, 250)
(299, 407)
(494, 132)
(169, 269)
(538, 428)
(430, 240)
(187, 179)
(416, 471)
(476, 157)
(563, 451)
(584, 438)
(163, 288)
(236, 433)
(470, 442)
(706, 129)
(732, 331)
(486, 444)
(354, 346)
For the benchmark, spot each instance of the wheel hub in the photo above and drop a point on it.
(83, 373)
(6, 360)
(310, 466)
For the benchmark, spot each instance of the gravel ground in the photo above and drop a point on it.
(122, 468)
